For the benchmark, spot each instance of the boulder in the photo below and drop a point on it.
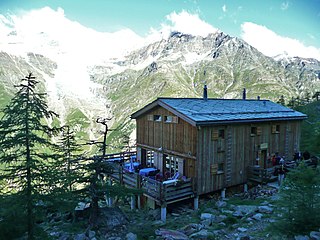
(315, 235)
(257, 216)
(131, 236)
(80, 236)
(237, 214)
(171, 234)
(300, 237)
(206, 216)
(203, 234)
(218, 219)
(191, 228)
(242, 229)
(221, 204)
(265, 209)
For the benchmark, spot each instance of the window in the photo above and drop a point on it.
(217, 134)
(253, 131)
(220, 168)
(170, 119)
(150, 158)
(157, 118)
(276, 128)
(221, 133)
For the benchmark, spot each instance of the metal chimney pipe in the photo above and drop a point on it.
(205, 92)
(244, 94)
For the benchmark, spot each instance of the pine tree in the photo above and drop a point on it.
(299, 204)
(26, 149)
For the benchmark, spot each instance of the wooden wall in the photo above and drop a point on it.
(173, 138)
(240, 149)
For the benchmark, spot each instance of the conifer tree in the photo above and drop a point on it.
(26, 149)
(299, 204)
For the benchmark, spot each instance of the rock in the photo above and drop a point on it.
(222, 224)
(244, 237)
(111, 217)
(218, 219)
(206, 216)
(257, 216)
(206, 222)
(203, 234)
(221, 204)
(265, 209)
(155, 214)
(315, 235)
(80, 236)
(300, 237)
(65, 236)
(237, 214)
(246, 209)
(91, 234)
(191, 228)
(131, 236)
(242, 229)
(171, 234)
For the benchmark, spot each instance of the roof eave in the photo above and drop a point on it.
(207, 123)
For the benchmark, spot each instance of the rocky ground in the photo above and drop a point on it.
(240, 216)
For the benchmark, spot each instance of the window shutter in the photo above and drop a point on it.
(259, 131)
(214, 169)
(150, 117)
(175, 119)
(215, 135)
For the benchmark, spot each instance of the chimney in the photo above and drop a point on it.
(244, 94)
(205, 92)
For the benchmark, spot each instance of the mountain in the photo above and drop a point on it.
(180, 65)
(177, 66)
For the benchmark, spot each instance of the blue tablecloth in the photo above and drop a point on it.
(130, 167)
(146, 171)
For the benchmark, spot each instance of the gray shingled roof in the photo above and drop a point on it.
(198, 111)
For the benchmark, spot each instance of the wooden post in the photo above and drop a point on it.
(133, 202)
(196, 202)
(109, 201)
(223, 193)
(163, 212)
(139, 201)
(245, 187)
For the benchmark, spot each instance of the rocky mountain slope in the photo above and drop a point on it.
(178, 66)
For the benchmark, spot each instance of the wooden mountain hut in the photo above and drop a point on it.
(215, 141)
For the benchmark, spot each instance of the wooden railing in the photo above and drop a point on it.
(161, 192)
(261, 175)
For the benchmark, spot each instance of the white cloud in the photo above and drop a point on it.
(224, 8)
(271, 44)
(73, 46)
(182, 22)
(284, 6)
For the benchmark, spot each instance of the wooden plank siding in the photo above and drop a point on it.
(173, 138)
(206, 149)
(245, 149)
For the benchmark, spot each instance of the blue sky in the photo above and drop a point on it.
(294, 19)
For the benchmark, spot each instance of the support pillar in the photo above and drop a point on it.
(163, 213)
(133, 202)
(109, 201)
(196, 203)
(223, 193)
(139, 201)
(245, 187)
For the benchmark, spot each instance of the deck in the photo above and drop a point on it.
(261, 175)
(162, 193)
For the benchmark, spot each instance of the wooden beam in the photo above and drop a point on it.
(167, 151)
